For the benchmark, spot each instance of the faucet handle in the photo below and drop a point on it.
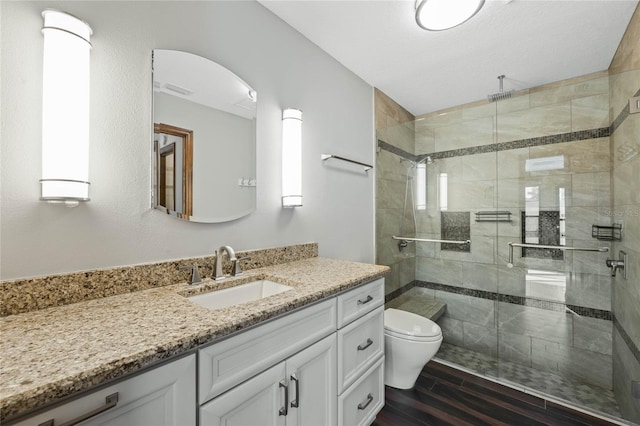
(217, 267)
(195, 275)
(236, 266)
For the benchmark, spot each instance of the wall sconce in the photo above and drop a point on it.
(65, 109)
(291, 158)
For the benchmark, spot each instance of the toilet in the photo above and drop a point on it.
(410, 342)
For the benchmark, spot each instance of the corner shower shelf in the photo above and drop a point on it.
(607, 233)
(493, 216)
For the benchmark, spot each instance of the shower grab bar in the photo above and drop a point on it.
(429, 240)
(543, 246)
(325, 157)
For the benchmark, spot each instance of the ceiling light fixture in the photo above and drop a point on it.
(438, 15)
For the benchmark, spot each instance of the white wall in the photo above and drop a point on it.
(117, 227)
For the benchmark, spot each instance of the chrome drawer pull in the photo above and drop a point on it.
(364, 405)
(284, 410)
(367, 300)
(369, 343)
(295, 402)
(110, 402)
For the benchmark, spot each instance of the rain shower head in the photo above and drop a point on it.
(495, 97)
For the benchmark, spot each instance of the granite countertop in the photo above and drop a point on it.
(55, 352)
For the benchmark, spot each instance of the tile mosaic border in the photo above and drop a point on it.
(397, 151)
(602, 132)
(580, 135)
(622, 116)
(399, 291)
(516, 300)
(30, 294)
(627, 339)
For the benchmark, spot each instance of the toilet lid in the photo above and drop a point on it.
(410, 324)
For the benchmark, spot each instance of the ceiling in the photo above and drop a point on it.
(532, 42)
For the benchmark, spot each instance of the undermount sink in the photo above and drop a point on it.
(243, 293)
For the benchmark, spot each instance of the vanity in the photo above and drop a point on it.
(310, 355)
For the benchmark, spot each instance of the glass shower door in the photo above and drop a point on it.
(554, 305)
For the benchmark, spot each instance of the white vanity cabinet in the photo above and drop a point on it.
(165, 395)
(321, 365)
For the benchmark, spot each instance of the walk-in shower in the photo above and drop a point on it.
(502, 252)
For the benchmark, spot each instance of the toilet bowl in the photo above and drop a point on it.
(410, 342)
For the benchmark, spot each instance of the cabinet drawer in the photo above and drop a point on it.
(359, 345)
(360, 404)
(230, 362)
(359, 301)
(163, 395)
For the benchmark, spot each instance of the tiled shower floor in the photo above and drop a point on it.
(583, 395)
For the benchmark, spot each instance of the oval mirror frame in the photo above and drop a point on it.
(203, 149)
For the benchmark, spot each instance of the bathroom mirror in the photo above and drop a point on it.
(204, 139)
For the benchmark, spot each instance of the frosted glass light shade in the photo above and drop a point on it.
(438, 15)
(291, 158)
(65, 109)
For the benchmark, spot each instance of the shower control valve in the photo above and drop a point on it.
(618, 264)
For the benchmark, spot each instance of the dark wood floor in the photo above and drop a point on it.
(446, 396)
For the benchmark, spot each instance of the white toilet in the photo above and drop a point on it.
(410, 341)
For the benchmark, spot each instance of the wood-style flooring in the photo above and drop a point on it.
(447, 396)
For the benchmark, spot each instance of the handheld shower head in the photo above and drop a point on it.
(495, 97)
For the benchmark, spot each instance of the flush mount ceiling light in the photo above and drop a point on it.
(438, 15)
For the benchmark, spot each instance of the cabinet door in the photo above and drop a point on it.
(258, 401)
(312, 376)
(161, 396)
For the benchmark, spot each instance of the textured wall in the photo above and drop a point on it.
(625, 156)
(117, 227)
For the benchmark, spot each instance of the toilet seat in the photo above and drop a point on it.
(413, 338)
(409, 326)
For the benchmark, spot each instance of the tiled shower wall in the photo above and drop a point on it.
(395, 126)
(483, 148)
(625, 154)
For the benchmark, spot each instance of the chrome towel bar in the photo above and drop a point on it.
(325, 157)
(429, 240)
(543, 246)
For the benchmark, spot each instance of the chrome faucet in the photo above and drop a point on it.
(217, 263)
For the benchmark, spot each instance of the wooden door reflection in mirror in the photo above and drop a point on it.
(173, 169)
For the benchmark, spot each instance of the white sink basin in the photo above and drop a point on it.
(244, 293)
